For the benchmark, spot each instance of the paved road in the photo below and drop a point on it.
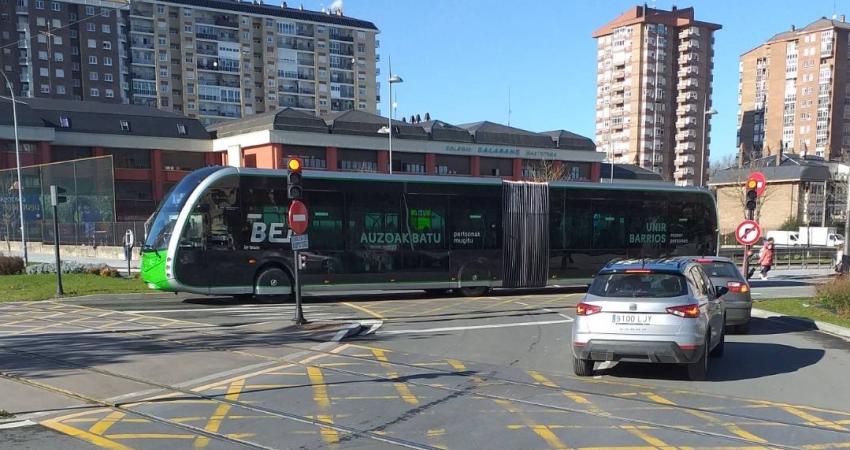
(166, 372)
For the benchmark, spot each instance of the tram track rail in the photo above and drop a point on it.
(353, 432)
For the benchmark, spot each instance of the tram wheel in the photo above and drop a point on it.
(473, 291)
(270, 284)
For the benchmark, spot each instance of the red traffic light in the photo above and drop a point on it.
(294, 164)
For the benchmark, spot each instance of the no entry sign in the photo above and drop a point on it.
(298, 217)
(748, 232)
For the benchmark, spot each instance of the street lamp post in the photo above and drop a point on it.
(706, 113)
(18, 159)
(392, 80)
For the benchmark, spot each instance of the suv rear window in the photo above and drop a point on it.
(638, 285)
(720, 269)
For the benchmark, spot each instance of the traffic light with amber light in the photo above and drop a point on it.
(294, 190)
(751, 196)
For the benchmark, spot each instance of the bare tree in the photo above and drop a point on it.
(724, 162)
(547, 170)
(738, 189)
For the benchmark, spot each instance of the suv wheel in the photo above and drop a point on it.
(698, 370)
(583, 367)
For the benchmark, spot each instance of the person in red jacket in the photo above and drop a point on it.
(766, 257)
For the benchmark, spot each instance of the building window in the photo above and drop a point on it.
(107, 77)
(91, 27)
(110, 93)
(40, 21)
(56, 6)
(125, 126)
(160, 9)
(44, 71)
(73, 34)
(39, 4)
(497, 167)
(105, 28)
(60, 89)
(358, 160)
(93, 76)
(75, 51)
(107, 61)
(93, 60)
(107, 45)
(64, 122)
(41, 38)
(181, 129)
(57, 23)
(191, 106)
(57, 40)
(60, 73)
(187, 28)
(163, 56)
(94, 92)
(45, 88)
(92, 43)
(42, 56)
(89, 10)
(105, 12)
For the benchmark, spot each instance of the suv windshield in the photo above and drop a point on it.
(638, 285)
(719, 269)
(165, 216)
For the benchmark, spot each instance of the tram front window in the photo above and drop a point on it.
(165, 216)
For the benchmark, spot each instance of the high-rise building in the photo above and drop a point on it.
(218, 60)
(69, 49)
(792, 93)
(653, 91)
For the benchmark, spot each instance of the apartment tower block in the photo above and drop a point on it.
(653, 91)
(793, 91)
(67, 49)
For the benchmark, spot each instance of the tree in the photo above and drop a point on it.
(738, 190)
(547, 170)
(724, 162)
(427, 117)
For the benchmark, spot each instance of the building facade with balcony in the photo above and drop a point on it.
(66, 49)
(222, 60)
(654, 85)
(793, 93)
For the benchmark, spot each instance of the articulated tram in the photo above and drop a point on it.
(223, 230)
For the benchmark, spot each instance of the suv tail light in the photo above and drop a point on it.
(687, 311)
(737, 287)
(584, 309)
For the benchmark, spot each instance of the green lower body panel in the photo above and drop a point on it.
(153, 270)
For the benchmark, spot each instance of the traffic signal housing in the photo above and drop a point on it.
(294, 190)
(751, 195)
(57, 195)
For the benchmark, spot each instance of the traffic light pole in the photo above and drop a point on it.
(54, 201)
(299, 312)
(746, 265)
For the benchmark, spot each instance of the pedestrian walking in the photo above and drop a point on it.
(766, 257)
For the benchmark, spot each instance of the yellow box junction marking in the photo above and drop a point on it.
(402, 388)
(214, 422)
(103, 425)
(364, 310)
(731, 427)
(91, 438)
(541, 379)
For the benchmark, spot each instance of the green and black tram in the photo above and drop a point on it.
(223, 230)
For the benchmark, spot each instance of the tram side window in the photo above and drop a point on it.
(373, 221)
(578, 225)
(648, 227)
(475, 223)
(609, 227)
(266, 210)
(426, 220)
(215, 220)
(326, 220)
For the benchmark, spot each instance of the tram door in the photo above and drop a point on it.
(525, 234)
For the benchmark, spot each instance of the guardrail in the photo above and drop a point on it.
(789, 257)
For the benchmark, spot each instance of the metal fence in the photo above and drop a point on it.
(93, 234)
(789, 257)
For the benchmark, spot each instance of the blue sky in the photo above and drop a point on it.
(458, 58)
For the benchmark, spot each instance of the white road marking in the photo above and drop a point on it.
(232, 309)
(477, 327)
(18, 424)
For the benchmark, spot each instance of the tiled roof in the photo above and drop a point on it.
(26, 116)
(791, 167)
(570, 141)
(629, 172)
(493, 133)
(282, 119)
(106, 118)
